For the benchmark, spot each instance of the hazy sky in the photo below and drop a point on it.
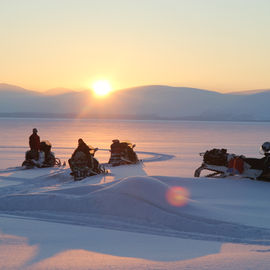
(220, 45)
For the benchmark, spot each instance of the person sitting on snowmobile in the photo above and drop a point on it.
(83, 156)
(83, 163)
(84, 148)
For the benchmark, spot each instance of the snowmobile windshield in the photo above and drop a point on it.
(92, 149)
(45, 146)
(129, 143)
(47, 143)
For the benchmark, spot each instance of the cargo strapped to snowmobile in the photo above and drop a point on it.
(217, 157)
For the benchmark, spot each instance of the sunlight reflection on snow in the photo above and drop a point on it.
(11, 245)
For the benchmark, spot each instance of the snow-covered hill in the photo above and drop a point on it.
(145, 102)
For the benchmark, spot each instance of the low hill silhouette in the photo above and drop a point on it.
(144, 102)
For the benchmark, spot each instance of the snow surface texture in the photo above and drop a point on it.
(129, 220)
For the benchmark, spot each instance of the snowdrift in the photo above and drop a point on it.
(220, 210)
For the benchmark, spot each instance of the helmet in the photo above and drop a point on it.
(265, 148)
(35, 130)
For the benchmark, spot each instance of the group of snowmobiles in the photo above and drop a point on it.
(219, 163)
(82, 162)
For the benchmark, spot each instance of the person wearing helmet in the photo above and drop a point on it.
(34, 143)
(265, 148)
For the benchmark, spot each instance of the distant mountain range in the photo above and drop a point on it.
(145, 102)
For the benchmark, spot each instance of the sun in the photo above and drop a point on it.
(101, 88)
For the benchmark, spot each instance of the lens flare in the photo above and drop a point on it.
(177, 196)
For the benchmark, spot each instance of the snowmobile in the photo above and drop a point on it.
(83, 166)
(124, 154)
(44, 159)
(222, 164)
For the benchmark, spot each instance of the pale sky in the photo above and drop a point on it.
(221, 45)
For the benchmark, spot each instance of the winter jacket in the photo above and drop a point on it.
(116, 147)
(34, 142)
(83, 147)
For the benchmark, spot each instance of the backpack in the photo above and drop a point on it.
(216, 157)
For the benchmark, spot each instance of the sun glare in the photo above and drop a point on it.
(102, 88)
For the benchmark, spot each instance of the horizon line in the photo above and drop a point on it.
(81, 89)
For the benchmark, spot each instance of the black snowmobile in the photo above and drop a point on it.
(122, 153)
(222, 164)
(83, 165)
(45, 157)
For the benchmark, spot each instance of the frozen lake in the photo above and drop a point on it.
(127, 219)
(182, 139)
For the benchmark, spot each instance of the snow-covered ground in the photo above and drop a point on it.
(145, 216)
